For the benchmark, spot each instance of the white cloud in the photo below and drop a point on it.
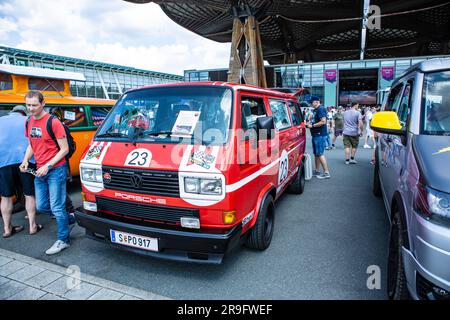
(119, 32)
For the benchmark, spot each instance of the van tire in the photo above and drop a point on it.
(397, 288)
(376, 187)
(260, 235)
(298, 185)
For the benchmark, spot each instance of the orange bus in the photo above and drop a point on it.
(82, 115)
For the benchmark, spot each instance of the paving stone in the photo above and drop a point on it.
(3, 280)
(85, 291)
(127, 297)
(28, 294)
(11, 288)
(106, 294)
(43, 279)
(59, 287)
(12, 267)
(26, 273)
(4, 260)
(50, 296)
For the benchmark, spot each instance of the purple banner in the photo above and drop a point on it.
(387, 73)
(330, 75)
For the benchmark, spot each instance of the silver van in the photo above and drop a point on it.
(412, 175)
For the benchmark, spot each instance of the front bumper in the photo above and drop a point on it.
(427, 265)
(174, 245)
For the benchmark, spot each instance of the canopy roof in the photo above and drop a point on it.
(324, 30)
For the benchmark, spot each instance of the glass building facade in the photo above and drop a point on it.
(328, 80)
(103, 80)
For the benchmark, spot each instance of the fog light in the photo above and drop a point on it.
(229, 217)
(191, 223)
(90, 206)
(441, 292)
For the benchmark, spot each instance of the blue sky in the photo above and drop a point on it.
(113, 31)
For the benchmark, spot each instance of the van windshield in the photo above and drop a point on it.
(200, 115)
(436, 103)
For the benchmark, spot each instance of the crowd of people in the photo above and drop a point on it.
(350, 122)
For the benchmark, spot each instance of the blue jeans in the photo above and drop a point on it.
(51, 198)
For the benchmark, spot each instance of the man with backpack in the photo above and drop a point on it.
(48, 142)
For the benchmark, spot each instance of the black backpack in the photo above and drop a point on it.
(70, 140)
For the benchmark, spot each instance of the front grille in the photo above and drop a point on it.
(158, 183)
(145, 211)
(425, 290)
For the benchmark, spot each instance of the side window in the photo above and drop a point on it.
(295, 112)
(403, 109)
(72, 116)
(394, 98)
(280, 114)
(43, 84)
(99, 114)
(252, 108)
(6, 82)
(4, 110)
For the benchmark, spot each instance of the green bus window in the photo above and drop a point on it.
(72, 116)
(99, 114)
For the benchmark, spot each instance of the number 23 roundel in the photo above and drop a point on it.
(283, 167)
(139, 158)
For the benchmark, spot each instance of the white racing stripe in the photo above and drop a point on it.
(237, 185)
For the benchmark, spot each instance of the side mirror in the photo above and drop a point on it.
(265, 127)
(387, 122)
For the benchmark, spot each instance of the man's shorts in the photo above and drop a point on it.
(11, 179)
(319, 144)
(338, 132)
(351, 141)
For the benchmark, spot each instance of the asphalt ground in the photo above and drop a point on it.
(323, 244)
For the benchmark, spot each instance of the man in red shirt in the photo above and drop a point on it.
(50, 181)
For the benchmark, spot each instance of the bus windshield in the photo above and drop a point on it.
(436, 103)
(198, 114)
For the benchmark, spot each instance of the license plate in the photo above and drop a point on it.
(133, 240)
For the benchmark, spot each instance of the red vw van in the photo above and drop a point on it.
(188, 171)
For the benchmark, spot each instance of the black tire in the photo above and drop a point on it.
(376, 187)
(298, 185)
(261, 234)
(397, 288)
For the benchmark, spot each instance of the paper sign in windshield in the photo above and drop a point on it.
(185, 123)
(69, 115)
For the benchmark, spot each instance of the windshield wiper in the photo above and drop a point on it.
(111, 135)
(155, 133)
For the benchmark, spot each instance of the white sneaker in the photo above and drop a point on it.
(57, 247)
(366, 146)
(353, 161)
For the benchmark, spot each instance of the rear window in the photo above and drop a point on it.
(280, 114)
